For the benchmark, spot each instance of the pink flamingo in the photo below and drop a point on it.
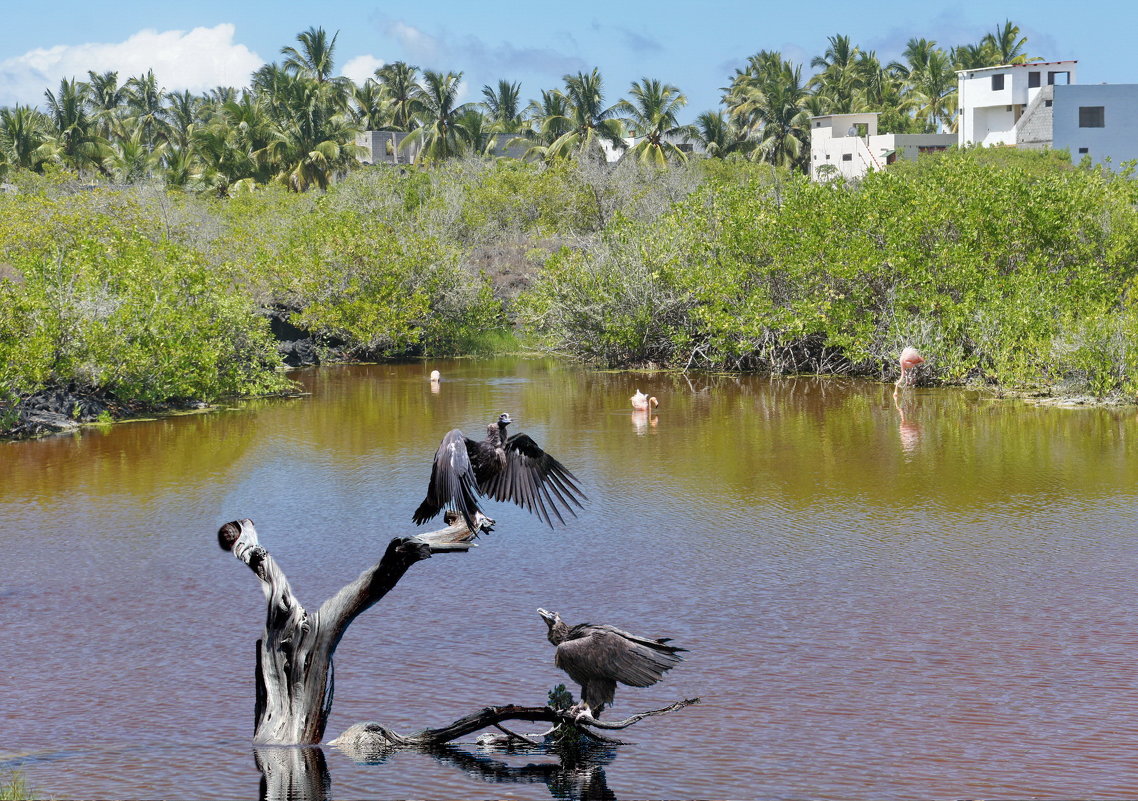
(910, 358)
(642, 403)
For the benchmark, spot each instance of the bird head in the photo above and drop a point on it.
(504, 419)
(557, 629)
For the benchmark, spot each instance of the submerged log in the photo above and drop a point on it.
(294, 671)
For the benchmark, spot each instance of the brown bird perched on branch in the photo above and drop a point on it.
(504, 468)
(597, 657)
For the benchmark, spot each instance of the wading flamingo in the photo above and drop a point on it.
(910, 358)
(642, 403)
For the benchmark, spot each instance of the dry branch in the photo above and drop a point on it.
(364, 737)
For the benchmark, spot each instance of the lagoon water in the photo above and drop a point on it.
(930, 597)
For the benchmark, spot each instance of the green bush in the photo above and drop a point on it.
(983, 264)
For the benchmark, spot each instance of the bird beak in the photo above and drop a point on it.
(547, 616)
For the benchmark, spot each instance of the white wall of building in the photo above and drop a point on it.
(851, 144)
(1117, 139)
(988, 115)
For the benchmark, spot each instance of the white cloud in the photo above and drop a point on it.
(422, 46)
(360, 68)
(197, 60)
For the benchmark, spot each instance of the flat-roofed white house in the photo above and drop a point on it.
(848, 145)
(992, 100)
(1046, 108)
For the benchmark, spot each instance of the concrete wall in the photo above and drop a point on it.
(988, 116)
(1118, 139)
(1034, 129)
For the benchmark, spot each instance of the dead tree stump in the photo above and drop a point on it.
(295, 680)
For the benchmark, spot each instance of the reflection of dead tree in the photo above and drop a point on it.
(294, 655)
(289, 773)
(578, 774)
(364, 736)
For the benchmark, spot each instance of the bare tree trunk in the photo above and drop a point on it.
(294, 655)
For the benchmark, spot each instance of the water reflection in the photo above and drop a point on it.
(571, 771)
(293, 773)
(643, 420)
(908, 429)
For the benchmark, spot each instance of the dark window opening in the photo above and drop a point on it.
(847, 157)
(997, 82)
(1092, 116)
(1084, 150)
(1060, 78)
(1047, 103)
(1033, 79)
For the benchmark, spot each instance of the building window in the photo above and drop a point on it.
(1092, 116)
(1033, 79)
(1047, 103)
(847, 157)
(997, 82)
(1060, 78)
(1084, 150)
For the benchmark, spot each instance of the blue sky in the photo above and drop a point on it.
(695, 45)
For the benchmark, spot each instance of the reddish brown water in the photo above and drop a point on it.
(929, 599)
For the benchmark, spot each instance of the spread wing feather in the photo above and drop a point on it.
(534, 480)
(452, 480)
(605, 653)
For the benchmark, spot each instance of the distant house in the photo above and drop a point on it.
(1041, 106)
(993, 100)
(848, 145)
(383, 147)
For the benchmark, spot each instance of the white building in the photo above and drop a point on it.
(848, 145)
(992, 100)
(1099, 121)
(1040, 106)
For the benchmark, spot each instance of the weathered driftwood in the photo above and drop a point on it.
(365, 737)
(294, 656)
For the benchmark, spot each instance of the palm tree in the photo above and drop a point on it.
(784, 123)
(132, 158)
(932, 89)
(478, 130)
(316, 57)
(400, 81)
(107, 98)
(371, 108)
(588, 121)
(839, 78)
(24, 137)
(441, 134)
(75, 135)
(503, 107)
(182, 111)
(651, 116)
(720, 136)
(769, 102)
(1007, 45)
(144, 103)
(973, 57)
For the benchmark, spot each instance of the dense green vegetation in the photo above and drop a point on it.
(1004, 267)
(295, 124)
(1009, 268)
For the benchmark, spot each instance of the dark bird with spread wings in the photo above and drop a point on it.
(597, 657)
(506, 469)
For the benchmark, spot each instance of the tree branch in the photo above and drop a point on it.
(370, 736)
